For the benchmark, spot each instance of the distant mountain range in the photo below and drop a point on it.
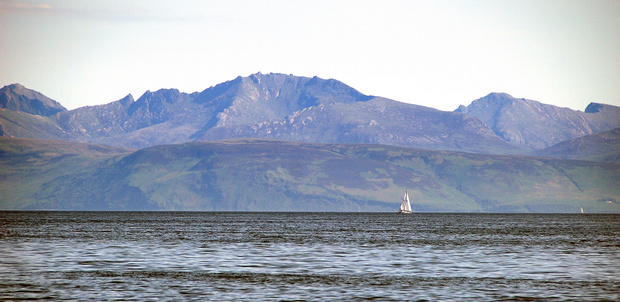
(286, 107)
(267, 175)
(275, 142)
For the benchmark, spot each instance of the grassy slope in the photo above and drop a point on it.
(30, 166)
(288, 176)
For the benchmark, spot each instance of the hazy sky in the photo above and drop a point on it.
(434, 53)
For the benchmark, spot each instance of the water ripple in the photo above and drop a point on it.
(308, 256)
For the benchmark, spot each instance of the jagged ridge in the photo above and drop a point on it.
(273, 106)
(278, 106)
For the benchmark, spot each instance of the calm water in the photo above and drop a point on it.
(308, 256)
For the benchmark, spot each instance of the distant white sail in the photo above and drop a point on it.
(405, 207)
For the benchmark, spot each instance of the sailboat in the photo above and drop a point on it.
(405, 207)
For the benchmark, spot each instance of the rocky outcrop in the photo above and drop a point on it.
(534, 125)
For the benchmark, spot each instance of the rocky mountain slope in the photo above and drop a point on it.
(260, 175)
(16, 97)
(536, 126)
(264, 106)
(603, 147)
(21, 124)
(376, 121)
(287, 107)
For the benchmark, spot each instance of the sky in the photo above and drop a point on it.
(439, 54)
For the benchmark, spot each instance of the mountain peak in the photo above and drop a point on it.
(16, 97)
(493, 102)
(128, 99)
(15, 86)
(595, 107)
(498, 96)
(261, 97)
(536, 125)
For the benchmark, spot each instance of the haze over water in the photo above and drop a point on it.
(308, 256)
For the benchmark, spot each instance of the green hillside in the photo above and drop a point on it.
(261, 175)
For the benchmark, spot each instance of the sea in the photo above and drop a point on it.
(251, 256)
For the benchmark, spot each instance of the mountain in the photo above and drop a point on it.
(287, 107)
(169, 116)
(273, 106)
(267, 175)
(16, 97)
(21, 124)
(376, 121)
(603, 147)
(536, 126)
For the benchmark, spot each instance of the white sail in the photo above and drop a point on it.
(405, 207)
